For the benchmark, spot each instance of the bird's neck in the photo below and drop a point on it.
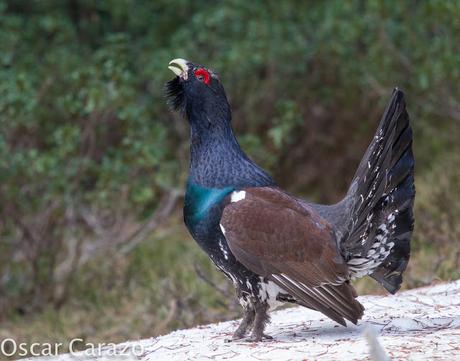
(217, 160)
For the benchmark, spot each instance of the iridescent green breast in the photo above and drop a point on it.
(199, 200)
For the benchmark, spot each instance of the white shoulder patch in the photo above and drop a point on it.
(237, 196)
(222, 228)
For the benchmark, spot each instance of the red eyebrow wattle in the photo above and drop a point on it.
(204, 74)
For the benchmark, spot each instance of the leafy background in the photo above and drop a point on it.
(92, 163)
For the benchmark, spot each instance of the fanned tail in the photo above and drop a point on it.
(381, 196)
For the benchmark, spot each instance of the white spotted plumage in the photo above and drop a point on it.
(362, 265)
(223, 249)
(268, 292)
(221, 245)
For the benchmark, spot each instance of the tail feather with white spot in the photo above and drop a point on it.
(376, 241)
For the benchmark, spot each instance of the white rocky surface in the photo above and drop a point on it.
(421, 324)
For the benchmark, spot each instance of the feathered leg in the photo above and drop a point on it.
(261, 319)
(245, 324)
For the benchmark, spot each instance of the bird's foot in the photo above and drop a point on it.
(252, 338)
(237, 335)
(244, 326)
(258, 338)
(255, 319)
(260, 320)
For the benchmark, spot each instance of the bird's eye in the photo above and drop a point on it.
(203, 76)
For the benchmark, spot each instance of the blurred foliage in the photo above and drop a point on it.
(88, 147)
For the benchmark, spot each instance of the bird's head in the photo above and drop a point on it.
(197, 92)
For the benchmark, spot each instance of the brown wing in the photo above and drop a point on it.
(276, 236)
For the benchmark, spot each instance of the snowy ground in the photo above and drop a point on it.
(422, 324)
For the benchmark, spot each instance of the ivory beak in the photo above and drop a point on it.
(179, 67)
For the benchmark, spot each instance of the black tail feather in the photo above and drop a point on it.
(377, 240)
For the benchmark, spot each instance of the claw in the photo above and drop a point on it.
(259, 338)
(237, 336)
